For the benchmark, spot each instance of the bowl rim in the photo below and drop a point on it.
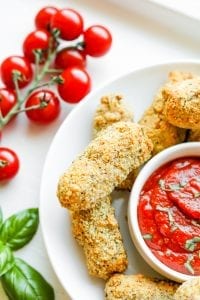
(189, 149)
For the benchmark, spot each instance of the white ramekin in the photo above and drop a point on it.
(182, 150)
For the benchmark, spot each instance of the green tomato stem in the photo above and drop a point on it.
(37, 54)
(35, 84)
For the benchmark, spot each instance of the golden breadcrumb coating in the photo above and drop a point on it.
(194, 135)
(104, 164)
(189, 290)
(182, 103)
(97, 231)
(111, 109)
(139, 287)
(162, 133)
(128, 182)
(177, 76)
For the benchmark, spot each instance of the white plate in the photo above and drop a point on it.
(138, 88)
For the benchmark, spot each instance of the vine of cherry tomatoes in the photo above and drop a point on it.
(44, 55)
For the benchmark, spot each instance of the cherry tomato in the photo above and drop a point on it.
(69, 22)
(70, 57)
(76, 85)
(48, 106)
(19, 64)
(9, 163)
(43, 17)
(38, 39)
(7, 100)
(97, 40)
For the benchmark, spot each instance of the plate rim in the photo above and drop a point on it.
(67, 119)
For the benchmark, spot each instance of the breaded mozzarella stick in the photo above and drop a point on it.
(97, 231)
(189, 290)
(111, 109)
(103, 165)
(162, 133)
(139, 287)
(182, 103)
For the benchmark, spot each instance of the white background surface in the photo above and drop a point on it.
(188, 7)
(136, 42)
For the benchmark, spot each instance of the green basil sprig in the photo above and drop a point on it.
(24, 282)
(20, 228)
(6, 259)
(19, 280)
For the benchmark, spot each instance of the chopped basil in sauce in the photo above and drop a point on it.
(191, 244)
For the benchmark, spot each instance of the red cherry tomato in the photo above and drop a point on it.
(9, 163)
(48, 106)
(19, 64)
(69, 22)
(7, 100)
(38, 39)
(76, 85)
(97, 40)
(43, 17)
(70, 57)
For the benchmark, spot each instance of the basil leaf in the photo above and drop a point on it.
(23, 282)
(6, 259)
(19, 229)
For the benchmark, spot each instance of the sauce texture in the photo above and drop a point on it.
(169, 214)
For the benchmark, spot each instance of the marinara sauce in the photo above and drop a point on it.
(169, 214)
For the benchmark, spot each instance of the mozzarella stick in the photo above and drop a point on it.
(103, 165)
(189, 290)
(160, 131)
(182, 103)
(111, 109)
(139, 287)
(97, 231)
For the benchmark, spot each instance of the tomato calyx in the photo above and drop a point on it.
(9, 164)
(3, 163)
(40, 55)
(18, 77)
(43, 102)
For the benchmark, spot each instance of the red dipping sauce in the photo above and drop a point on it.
(169, 215)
